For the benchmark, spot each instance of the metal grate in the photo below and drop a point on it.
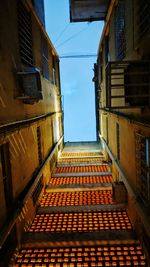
(142, 147)
(120, 34)
(77, 198)
(81, 222)
(81, 180)
(75, 169)
(25, 35)
(115, 255)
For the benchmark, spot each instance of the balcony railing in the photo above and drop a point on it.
(127, 84)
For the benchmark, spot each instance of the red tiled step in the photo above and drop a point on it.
(77, 198)
(123, 255)
(81, 222)
(81, 180)
(81, 154)
(91, 168)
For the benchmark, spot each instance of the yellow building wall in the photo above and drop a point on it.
(12, 109)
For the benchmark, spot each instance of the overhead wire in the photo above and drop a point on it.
(61, 33)
(73, 36)
(78, 56)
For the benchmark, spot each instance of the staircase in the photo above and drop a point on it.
(78, 223)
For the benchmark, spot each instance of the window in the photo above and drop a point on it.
(120, 35)
(54, 70)
(107, 53)
(107, 134)
(45, 61)
(100, 67)
(142, 147)
(39, 8)
(39, 144)
(143, 19)
(6, 175)
(118, 140)
(25, 35)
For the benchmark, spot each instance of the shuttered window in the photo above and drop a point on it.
(25, 35)
(142, 19)
(120, 34)
(45, 61)
(118, 140)
(142, 147)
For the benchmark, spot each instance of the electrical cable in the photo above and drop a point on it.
(61, 33)
(73, 36)
(78, 56)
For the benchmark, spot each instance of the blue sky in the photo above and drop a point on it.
(76, 74)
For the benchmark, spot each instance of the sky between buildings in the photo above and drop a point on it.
(76, 74)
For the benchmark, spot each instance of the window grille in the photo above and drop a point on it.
(143, 18)
(45, 61)
(120, 33)
(142, 147)
(37, 191)
(25, 35)
(118, 140)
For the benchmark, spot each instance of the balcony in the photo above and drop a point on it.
(87, 10)
(127, 84)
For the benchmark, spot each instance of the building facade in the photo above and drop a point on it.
(121, 76)
(31, 132)
(123, 104)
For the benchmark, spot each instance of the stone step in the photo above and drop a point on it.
(82, 160)
(78, 237)
(82, 163)
(84, 169)
(82, 154)
(81, 180)
(71, 187)
(80, 174)
(104, 207)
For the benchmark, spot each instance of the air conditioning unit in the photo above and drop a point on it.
(29, 85)
(119, 192)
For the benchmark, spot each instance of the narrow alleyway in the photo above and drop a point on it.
(79, 223)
